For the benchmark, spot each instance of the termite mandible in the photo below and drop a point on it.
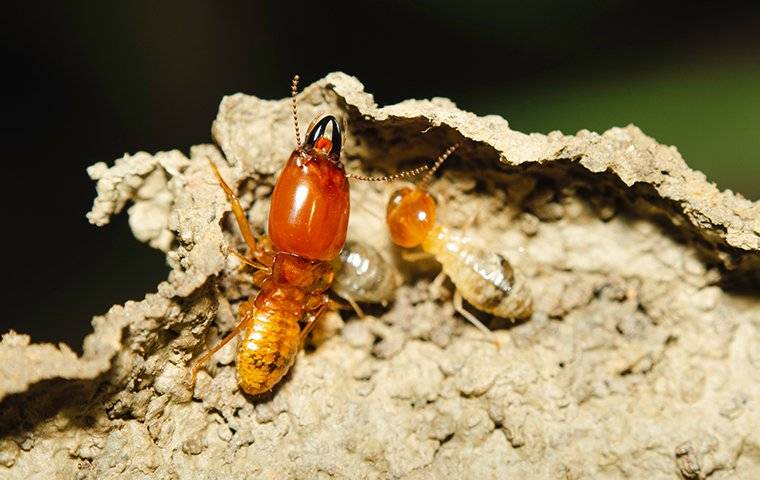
(308, 220)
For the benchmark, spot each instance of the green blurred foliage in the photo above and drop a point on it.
(710, 111)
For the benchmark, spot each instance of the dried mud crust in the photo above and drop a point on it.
(642, 359)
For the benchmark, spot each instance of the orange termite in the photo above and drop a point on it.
(308, 220)
(484, 278)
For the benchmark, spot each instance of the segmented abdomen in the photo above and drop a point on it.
(363, 275)
(485, 279)
(268, 347)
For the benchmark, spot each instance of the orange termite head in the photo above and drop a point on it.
(308, 216)
(410, 216)
(411, 211)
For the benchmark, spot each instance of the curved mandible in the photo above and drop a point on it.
(318, 127)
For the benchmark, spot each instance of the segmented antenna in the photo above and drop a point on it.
(293, 93)
(422, 184)
(389, 178)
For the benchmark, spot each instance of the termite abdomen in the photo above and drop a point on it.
(485, 278)
(363, 275)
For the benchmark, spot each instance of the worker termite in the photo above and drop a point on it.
(362, 275)
(308, 219)
(484, 278)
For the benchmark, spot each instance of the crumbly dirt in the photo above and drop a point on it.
(642, 359)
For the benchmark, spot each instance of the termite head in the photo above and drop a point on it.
(310, 202)
(410, 216)
(411, 211)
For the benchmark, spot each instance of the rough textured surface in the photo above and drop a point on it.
(642, 359)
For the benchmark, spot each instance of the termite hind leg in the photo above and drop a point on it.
(459, 307)
(242, 220)
(207, 356)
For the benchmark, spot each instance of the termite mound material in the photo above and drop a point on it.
(642, 359)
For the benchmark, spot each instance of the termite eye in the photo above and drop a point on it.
(315, 136)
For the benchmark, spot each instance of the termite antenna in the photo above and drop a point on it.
(389, 178)
(423, 183)
(428, 169)
(293, 93)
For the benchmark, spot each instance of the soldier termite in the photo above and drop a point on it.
(308, 219)
(484, 278)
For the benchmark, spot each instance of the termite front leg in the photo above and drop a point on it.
(261, 255)
(251, 263)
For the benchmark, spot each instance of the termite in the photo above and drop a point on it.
(362, 275)
(484, 278)
(308, 220)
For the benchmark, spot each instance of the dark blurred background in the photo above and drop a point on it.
(87, 82)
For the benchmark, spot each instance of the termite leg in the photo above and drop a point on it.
(245, 319)
(242, 221)
(355, 306)
(259, 277)
(312, 319)
(333, 305)
(249, 262)
(262, 272)
(436, 285)
(415, 256)
(459, 307)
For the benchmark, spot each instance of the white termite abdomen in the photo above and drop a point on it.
(485, 279)
(362, 274)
